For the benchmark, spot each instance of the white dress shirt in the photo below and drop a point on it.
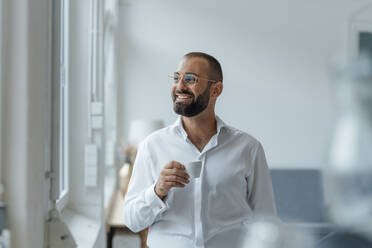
(234, 186)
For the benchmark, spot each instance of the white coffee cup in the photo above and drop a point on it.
(193, 169)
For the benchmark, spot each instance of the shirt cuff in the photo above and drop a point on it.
(153, 200)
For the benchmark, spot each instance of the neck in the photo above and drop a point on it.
(200, 128)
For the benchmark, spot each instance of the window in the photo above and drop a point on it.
(360, 38)
(365, 44)
(63, 108)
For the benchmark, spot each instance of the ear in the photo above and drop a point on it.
(216, 89)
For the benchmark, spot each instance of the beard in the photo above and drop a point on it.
(195, 107)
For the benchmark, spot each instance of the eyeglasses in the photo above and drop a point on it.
(188, 78)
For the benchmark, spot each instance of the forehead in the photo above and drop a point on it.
(196, 65)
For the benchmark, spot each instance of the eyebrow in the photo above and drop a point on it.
(188, 73)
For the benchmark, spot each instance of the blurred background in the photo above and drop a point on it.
(83, 82)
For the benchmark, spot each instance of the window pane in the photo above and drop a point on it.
(365, 43)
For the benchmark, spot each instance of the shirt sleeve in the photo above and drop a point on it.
(260, 190)
(141, 205)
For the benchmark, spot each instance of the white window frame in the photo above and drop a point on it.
(63, 107)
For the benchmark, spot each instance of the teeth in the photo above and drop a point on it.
(183, 97)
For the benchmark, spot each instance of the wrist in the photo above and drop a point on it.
(158, 194)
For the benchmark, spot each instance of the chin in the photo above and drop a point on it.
(185, 112)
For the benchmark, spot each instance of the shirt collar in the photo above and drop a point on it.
(179, 126)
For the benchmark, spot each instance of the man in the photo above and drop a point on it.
(234, 185)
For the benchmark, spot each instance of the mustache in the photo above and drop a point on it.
(184, 92)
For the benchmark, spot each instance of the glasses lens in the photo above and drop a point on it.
(190, 79)
(176, 77)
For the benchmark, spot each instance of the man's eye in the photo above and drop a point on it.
(176, 77)
(190, 79)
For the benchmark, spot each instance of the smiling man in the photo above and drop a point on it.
(234, 185)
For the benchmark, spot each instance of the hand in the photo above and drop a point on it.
(172, 175)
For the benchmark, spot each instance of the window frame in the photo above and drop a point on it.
(62, 49)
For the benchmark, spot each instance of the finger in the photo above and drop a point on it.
(175, 164)
(176, 172)
(175, 184)
(175, 178)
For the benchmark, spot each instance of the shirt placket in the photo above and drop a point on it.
(198, 227)
(199, 232)
(199, 240)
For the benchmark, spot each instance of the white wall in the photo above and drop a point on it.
(25, 98)
(364, 14)
(274, 56)
(2, 19)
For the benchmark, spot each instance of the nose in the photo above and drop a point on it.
(181, 85)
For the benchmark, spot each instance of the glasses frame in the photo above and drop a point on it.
(183, 76)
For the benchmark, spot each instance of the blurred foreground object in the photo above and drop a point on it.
(267, 233)
(348, 178)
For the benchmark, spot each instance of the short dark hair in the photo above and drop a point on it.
(215, 71)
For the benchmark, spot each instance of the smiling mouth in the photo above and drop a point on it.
(183, 97)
